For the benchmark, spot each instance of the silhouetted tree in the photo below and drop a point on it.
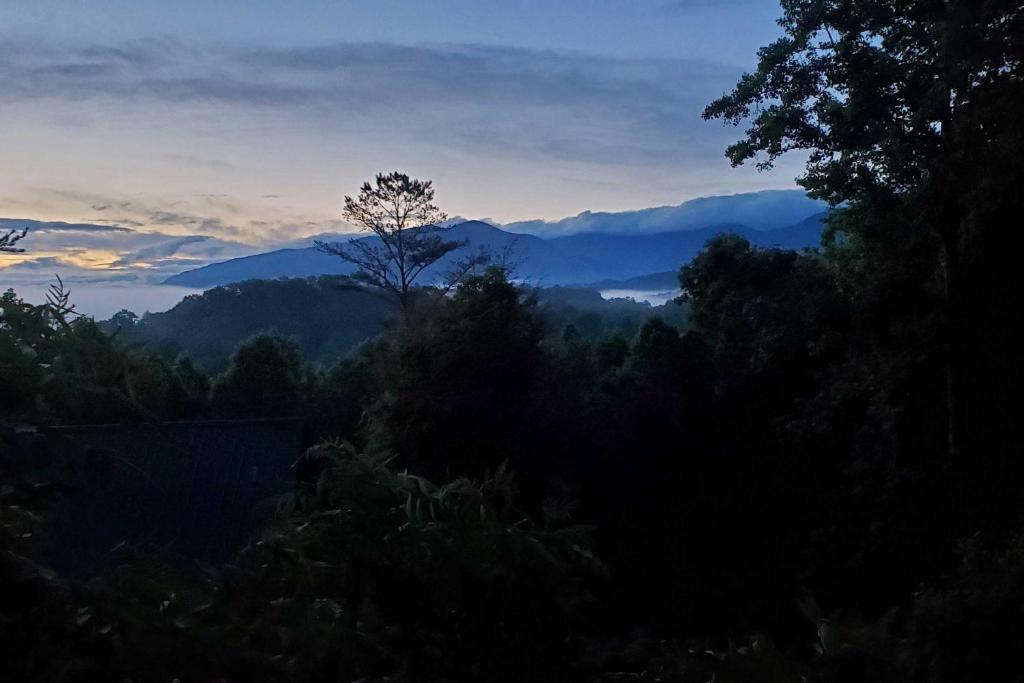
(611, 353)
(265, 377)
(123, 319)
(458, 389)
(407, 234)
(910, 109)
(194, 382)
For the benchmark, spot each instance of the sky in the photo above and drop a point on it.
(192, 131)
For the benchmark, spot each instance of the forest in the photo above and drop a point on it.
(329, 316)
(806, 469)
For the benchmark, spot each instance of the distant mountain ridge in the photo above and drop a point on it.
(566, 259)
(764, 210)
(665, 281)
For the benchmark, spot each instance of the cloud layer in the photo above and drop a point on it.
(566, 106)
(83, 252)
(163, 153)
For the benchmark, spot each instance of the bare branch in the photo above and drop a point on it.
(406, 236)
(9, 239)
(58, 303)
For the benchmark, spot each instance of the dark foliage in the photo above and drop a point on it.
(814, 477)
(327, 316)
(330, 316)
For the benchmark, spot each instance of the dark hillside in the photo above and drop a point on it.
(329, 315)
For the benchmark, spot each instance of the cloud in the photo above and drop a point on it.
(537, 103)
(100, 253)
(192, 160)
(215, 214)
(47, 263)
(56, 226)
(688, 5)
(160, 250)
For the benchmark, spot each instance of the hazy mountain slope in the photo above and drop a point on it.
(571, 259)
(327, 316)
(665, 281)
(309, 262)
(271, 265)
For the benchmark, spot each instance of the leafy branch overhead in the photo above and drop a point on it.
(884, 98)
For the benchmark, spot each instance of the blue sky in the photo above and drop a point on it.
(718, 30)
(224, 127)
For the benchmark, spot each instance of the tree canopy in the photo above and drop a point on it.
(407, 236)
(890, 98)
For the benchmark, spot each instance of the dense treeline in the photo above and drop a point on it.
(328, 316)
(816, 478)
(769, 457)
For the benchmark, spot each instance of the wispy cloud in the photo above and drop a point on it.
(161, 250)
(214, 214)
(57, 226)
(98, 253)
(556, 104)
(688, 5)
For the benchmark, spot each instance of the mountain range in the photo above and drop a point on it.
(614, 247)
(765, 210)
